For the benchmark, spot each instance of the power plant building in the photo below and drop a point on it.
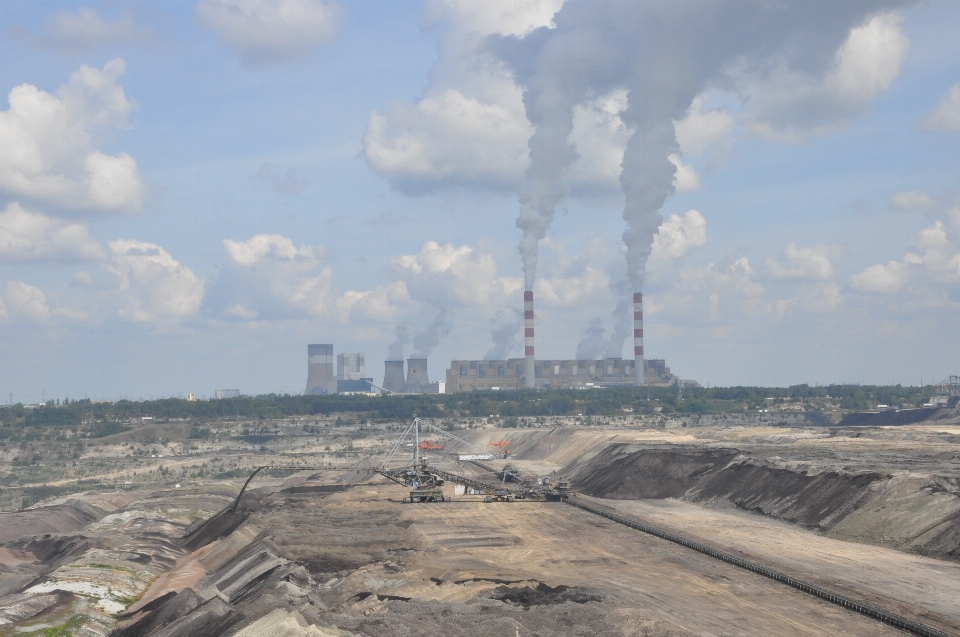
(351, 366)
(320, 378)
(466, 375)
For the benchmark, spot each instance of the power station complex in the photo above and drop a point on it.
(411, 377)
(474, 375)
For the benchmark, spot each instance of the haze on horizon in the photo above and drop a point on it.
(190, 192)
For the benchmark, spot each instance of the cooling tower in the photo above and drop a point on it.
(417, 380)
(393, 376)
(529, 366)
(638, 366)
(320, 378)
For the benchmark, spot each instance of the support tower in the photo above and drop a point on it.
(638, 364)
(529, 366)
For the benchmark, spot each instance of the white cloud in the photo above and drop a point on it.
(462, 275)
(703, 128)
(686, 178)
(278, 247)
(269, 277)
(591, 286)
(918, 199)
(85, 31)
(151, 283)
(48, 152)
(945, 115)
(27, 236)
(451, 139)
(678, 236)
(268, 31)
(883, 278)
(503, 17)
(788, 105)
(25, 301)
(929, 270)
(809, 264)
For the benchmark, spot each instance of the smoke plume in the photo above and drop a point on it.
(395, 349)
(504, 338)
(431, 335)
(664, 53)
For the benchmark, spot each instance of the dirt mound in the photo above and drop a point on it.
(544, 595)
(917, 514)
(813, 501)
(60, 518)
(651, 474)
(892, 417)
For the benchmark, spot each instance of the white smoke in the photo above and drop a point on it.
(504, 336)
(430, 336)
(395, 349)
(665, 54)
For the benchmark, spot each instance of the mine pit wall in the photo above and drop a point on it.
(918, 514)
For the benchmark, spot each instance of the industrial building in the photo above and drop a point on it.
(466, 375)
(224, 393)
(351, 366)
(320, 378)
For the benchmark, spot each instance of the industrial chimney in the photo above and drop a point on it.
(417, 380)
(638, 366)
(529, 365)
(320, 378)
(393, 376)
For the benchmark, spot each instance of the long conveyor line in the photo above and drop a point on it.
(860, 607)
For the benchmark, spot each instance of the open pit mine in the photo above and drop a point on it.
(440, 528)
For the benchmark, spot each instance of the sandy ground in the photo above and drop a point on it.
(557, 544)
(846, 567)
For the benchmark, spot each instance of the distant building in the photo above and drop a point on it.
(191, 397)
(225, 393)
(351, 366)
(466, 375)
(320, 378)
(358, 386)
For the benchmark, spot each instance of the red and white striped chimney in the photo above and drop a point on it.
(529, 366)
(638, 365)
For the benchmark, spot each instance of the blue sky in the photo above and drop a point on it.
(193, 191)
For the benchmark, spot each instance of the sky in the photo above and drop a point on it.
(191, 192)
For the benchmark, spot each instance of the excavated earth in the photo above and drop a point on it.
(869, 512)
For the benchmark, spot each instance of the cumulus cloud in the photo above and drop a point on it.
(48, 152)
(599, 136)
(807, 264)
(945, 115)
(912, 200)
(86, 31)
(685, 179)
(268, 277)
(703, 128)
(27, 237)
(929, 270)
(23, 301)
(152, 284)
(463, 275)
(270, 31)
(678, 236)
(502, 17)
(786, 104)
(451, 139)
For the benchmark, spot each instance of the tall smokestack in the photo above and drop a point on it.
(320, 378)
(417, 379)
(529, 366)
(638, 367)
(393, 376)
